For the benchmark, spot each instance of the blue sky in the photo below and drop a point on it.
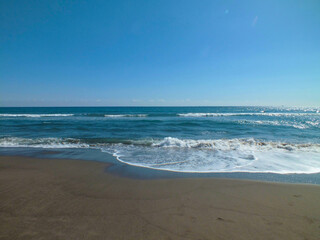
(109, 53)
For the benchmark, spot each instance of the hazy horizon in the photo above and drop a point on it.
(164, 106)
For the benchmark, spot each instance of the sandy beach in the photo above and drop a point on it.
(73, 199)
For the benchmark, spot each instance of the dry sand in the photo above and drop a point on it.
(72, 199)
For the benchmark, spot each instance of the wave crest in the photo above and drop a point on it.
(125, 115)
(36, 115)
(233, 144)
(42, 142)
(245, 114)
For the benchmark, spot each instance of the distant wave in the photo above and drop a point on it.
(159, 115)
(125, 115)
(69, 115)
(35, 115)
(294, 124)
(244, 114)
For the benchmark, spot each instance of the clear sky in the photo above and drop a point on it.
(175, 52)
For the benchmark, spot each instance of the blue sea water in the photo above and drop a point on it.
(183, 139)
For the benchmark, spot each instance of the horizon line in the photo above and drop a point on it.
(285, 106)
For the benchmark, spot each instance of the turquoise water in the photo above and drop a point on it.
(183, 139)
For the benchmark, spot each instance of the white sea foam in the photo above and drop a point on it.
(244, 114)
(232, 144)
(42, 142)
(189, 155)
(125, 115)
(221, 155)
(280, 123)
(35, 115)
(314, 123)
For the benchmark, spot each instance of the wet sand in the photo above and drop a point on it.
(73, 199)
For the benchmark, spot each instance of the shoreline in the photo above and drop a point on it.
(79, 199)
(122, 169)
(171, 175)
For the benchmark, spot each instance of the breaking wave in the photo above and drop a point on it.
(189, 155)
(221, 155)
(42, 142)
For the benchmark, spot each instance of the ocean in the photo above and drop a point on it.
(181, 139)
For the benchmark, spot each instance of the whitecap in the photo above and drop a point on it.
(36, 115)
(243, 114)
(125, 115)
